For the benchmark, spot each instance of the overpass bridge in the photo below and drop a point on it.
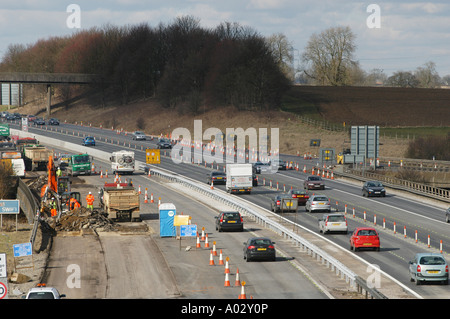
(48, 79)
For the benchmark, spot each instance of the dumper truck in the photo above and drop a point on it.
(120, 201)
(36, 157)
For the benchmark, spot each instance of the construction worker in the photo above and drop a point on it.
(52, 205)
(74, 204)
(90, 201)
(58, 172)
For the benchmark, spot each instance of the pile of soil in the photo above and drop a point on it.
(83, 218)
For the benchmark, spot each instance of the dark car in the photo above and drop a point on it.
(276, 203)
(53, 121)
(164, 143)
(259, 248)
(447, 215)
(88, 141)
(301, 195)
(10, 117)
(39, 121)
(217, 177)
(229, 221)
(314, 182)
(373, 188)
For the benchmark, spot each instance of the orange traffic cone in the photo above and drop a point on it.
(146, 196)
(211, 259)
(214, 249)
(220, 258)
(198, 241)
(227, 268)
(227, 281)
(242, 295)
(203, 234)
(212, 185)
(237, 282)
(206, 242)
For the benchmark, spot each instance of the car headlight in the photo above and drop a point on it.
(382, 190)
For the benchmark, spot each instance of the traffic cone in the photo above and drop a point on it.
(206, 241)
(146, 196)
(214, 249)
(211, 259)
(237, 282)
(198, 242)
(101, 174)
(227, 267)
(220, 258)
(140, 190)
(151, 198)
(212, 185)
(242, 295)
(203, 234)
(227, 281)
(106, 174)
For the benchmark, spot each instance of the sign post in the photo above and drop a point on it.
(3, 277)
(9, 206)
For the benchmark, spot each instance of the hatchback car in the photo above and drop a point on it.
(229, 221)
(43, 292)
(314, 182)
(88, 141)
(39, 121)
(53, 121)
(333, 223)
(259, 248)
(301, 195)
(279, 164)
(428, 267)
(216, 177)
(373, 188)
(318, 203)
(283, 202)
(164, 143)
(139, 136)
(365, 237)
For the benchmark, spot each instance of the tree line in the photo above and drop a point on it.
(181, 64)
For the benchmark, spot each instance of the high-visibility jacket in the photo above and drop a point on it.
(90, 199)
(74, 203)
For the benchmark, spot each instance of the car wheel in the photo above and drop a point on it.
(247, 258)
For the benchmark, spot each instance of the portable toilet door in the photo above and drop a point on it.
(167, 212)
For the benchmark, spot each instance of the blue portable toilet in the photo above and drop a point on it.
(167, 212)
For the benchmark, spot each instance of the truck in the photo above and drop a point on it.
(122, 162)
(120, 201)
(36, 157)
(239, 178)
(14, 159)
(79, 164)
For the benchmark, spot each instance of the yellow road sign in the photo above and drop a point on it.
(152, 156)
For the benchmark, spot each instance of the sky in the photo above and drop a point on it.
(392, 35)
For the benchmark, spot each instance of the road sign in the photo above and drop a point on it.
(3, 272)
(4, 289)
(9, 206)
(22, 250)
(188, 230)
(152, 156)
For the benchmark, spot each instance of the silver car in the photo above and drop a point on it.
(318, 203)
(139, 136)
(428, 267)
(333, 223)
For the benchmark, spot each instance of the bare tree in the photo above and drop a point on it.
(427, 76)
(328, 57)
(281, 50)
(403, 79)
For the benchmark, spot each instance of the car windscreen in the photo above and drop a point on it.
(432, 260)
(320, 199)
(261, 241)
(367, 232)
(81, 159)
(41, 295)
(335, 219)
(231, 216)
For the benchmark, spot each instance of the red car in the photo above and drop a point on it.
(301, 195)
(365, 237)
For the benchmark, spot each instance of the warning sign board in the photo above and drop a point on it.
(152, 156)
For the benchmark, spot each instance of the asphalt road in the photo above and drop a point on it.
(410, 212)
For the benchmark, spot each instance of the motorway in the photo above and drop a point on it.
(409, 213)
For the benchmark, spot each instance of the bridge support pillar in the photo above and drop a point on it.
(49, 99)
